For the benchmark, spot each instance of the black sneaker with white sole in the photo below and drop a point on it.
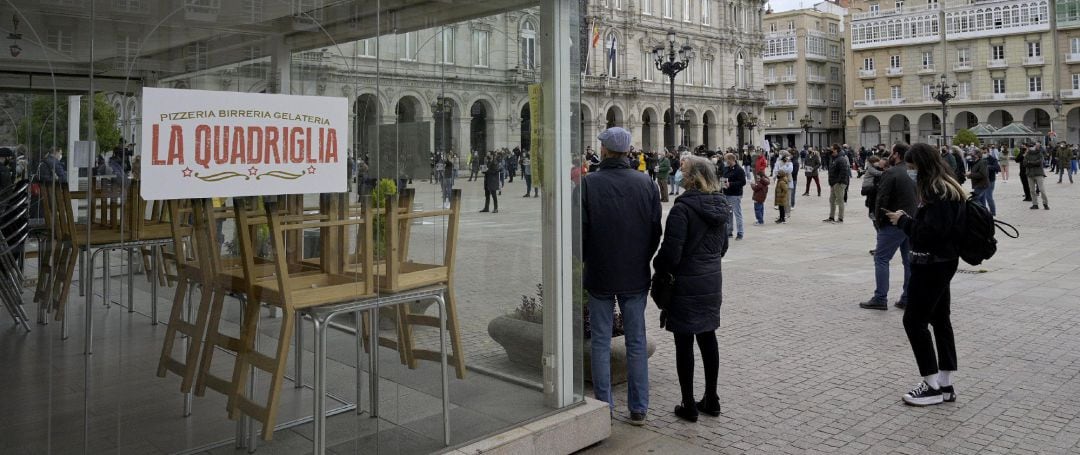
(948, 394)
(923, 395)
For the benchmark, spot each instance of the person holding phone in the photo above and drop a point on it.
(934, 260)
(895, 192)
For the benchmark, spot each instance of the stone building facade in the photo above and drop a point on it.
(469, 80)
(804, 78)
(1010, 61)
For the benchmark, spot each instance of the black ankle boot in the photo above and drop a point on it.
(709, 405)
(687, 411)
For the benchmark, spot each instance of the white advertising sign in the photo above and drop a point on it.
(198, 144)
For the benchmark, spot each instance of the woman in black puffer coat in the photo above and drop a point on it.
(694, 241)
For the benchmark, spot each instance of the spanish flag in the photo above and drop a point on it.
(595, 35)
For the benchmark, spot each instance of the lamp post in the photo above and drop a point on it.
(672, 60)
(438, 110)
(943, 92)
(751, 123)
(806, 122)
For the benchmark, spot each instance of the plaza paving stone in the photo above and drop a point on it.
(804, 370)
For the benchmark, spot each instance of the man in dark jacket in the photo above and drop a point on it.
(620, 233)
(839, 177)
(896, 192)
(979, 175)
(1033, 163)
(734, 180)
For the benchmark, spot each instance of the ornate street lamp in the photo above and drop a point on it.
(439, 108)
(672, 60)
(943, 93)
(806, 122)
(751, 123)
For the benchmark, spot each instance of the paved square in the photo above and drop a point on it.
(804, 370)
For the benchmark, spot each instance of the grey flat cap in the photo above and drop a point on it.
(615, 139)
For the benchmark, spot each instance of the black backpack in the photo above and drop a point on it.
(975, 240)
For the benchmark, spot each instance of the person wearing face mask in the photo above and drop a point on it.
(895, 192)
(934, 259)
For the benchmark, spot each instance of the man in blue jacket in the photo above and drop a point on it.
(734, 181)
(620, 232)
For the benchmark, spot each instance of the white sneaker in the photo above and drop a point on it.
(923, 395)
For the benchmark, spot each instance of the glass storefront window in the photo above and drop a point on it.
(183, 323)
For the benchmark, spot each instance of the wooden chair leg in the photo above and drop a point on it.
(214, 339)
(405, 337)
(65, 280)
(458, 357)
(193, 330)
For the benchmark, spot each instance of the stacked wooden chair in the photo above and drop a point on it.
(396, 273)
(340, 278)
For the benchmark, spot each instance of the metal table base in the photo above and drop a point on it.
(322, 317)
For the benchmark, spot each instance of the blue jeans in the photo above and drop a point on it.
(794, 186)
(601, 315)
(736, 208)
(759, 212)
(986, 197)
(889, 239)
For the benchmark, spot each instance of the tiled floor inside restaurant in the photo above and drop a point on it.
(128, 409)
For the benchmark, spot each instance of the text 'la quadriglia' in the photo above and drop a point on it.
(226, 145)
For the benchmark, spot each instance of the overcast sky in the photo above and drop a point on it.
(787, 5)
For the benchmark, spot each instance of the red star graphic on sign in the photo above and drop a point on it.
(253, 171)
(187, 172)
(311, 170)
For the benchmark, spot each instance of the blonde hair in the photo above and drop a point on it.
(700, 175)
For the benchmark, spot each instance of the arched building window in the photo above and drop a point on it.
(612, 55)
(528, 45)
(740, 70)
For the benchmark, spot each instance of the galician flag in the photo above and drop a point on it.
(595, 35)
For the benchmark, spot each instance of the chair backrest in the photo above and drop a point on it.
(334, 222)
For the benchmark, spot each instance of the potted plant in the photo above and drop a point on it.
(520, 333)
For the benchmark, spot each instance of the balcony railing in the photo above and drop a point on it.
(811, 55)
(814, 78)
(893, 72)
(894, 12)
(867, 73)
(769, 80)
(1071, 94)
(1072, 57)
(865, 103)
(612, 84)
(834, 103)
(783, 102)
(963, 66)
(1033, 61)
(997, 63)
(1018, 96)
(815, 102)
(788, 78)
(896, 101)
(927, 69)
(781, 57)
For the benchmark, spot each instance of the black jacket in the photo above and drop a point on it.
(839, 170)
(491, 176)
(896, 191)
(736, 179)
(697, 293)
(931, 231)
(620, 228)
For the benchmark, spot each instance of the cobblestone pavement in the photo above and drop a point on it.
(804, 370)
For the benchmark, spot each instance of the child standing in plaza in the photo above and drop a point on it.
(781, 197)
(760, 186)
